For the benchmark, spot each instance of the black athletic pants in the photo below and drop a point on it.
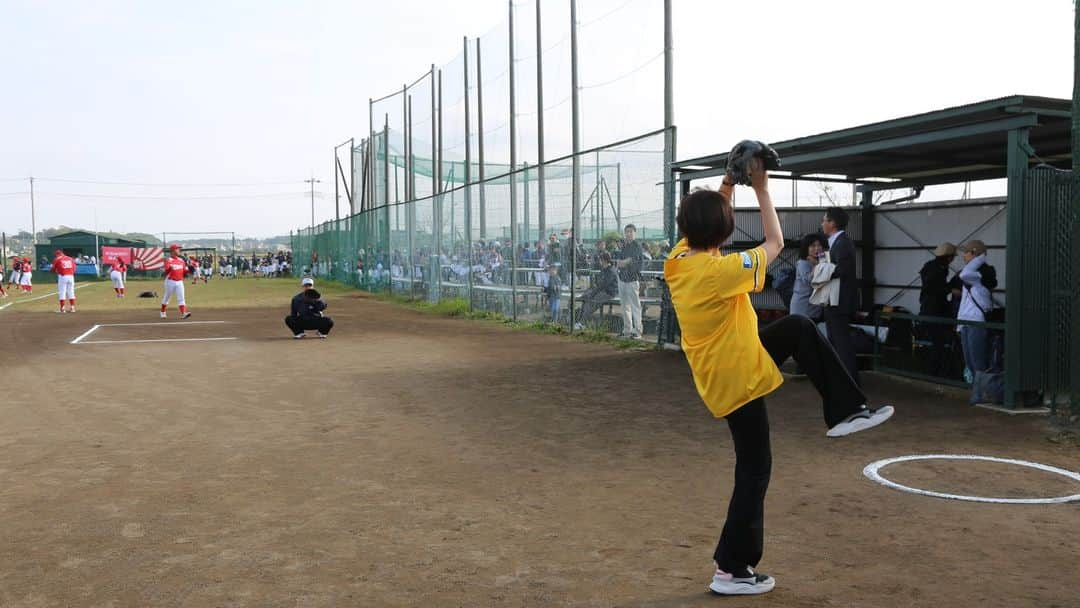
(298, 324)
(839, 326)
(795, 336)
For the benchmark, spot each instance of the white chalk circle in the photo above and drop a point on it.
(873, 469)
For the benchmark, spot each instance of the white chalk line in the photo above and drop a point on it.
(872, 471)
(157, 340)
(88, 332)
(35, 298)
(159, 323)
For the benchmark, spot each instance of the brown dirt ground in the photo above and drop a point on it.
(414, 460)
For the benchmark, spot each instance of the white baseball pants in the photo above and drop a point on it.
(174, 288)
(65, 287)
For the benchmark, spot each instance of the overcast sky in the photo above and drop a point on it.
(198, 94)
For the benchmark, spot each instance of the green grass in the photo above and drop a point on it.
(459, 307)
(236, 293)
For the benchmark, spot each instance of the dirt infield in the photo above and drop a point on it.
(412, 460)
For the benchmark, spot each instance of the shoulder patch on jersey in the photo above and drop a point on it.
(747, 261)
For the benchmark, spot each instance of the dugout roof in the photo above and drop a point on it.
(963, 143)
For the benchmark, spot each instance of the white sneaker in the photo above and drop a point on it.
(747, 583)
(320, 334)
(299, 335)
(162, 315)
(860, 421)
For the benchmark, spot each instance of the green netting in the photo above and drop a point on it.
(479, 243)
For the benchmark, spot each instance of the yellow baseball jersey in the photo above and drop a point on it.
(719, 326)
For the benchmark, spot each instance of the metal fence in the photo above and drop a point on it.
(437, 247)
(1047, 333)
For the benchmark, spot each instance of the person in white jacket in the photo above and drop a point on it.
(975, 302)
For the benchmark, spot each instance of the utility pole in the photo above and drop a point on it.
(33, 214)
(312, 181)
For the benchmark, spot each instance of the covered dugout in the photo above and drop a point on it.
(1033, 232)
(80, 243)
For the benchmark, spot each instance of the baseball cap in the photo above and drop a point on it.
(945, 248)
(307, 281)
(975, 246)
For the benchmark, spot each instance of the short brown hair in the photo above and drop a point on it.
(705, 218)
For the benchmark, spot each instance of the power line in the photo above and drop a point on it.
(155, 185)
(177, 198)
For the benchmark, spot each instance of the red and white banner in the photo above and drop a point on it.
(110, 254)
(150, 258)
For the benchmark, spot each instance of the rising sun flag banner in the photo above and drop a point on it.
(149, 258)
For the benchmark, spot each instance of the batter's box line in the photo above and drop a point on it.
(82, 338)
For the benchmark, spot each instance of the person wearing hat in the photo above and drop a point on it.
(175, 271)
(64, 267)
(934, 302)
(26, 277)
(307, 312)
(975, 303)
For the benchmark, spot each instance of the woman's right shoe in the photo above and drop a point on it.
(860, 421)
(746, 582)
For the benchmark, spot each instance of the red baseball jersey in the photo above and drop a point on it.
(119, 267)
(63, 266)
(175, 269)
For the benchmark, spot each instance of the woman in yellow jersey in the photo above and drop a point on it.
(735, 366)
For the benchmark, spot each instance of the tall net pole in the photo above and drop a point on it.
(541, 201)
(513, 168)
(575, 108)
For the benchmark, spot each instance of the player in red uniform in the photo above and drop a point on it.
(26, 277)
(116, 274)
(175, 270)
(64, 267)
(193, 263)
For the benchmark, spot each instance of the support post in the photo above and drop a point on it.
(410, 184)
(480, 139)
(525, 238)
(541, 200)
(468, 177)
(869, 240)
(669, 127)
(405, 142)
(439, 165)
(368, 200)
(599, 211)
(513, 169)
(436, 201)
(33, 215)
(434, 135)
(1015, 339)
(575, 220)
(386, 188)
(412, 156)
(618, 199)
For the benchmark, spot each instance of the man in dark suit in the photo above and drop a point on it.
(838, 318)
